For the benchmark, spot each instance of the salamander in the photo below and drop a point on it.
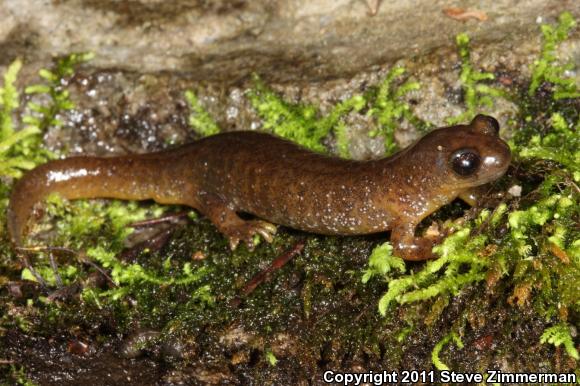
(282, 183)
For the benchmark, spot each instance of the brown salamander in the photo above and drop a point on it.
(283, 183)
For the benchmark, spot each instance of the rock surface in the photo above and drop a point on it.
(227, 40)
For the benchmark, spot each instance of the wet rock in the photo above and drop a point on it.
(230, 39)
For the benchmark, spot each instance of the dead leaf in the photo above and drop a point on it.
(462, 14)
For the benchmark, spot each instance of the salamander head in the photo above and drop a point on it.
(466, 156)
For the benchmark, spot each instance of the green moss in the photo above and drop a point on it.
(451, 337)
(199, 119)
(389, 108)
(545, 68)
(46, 114)
(558, 335)
(459, 264)
(271, 358)
(20, 141)
(9, 99)
(129, 278)
(77, 224)
(477, 93)
(18, 375)
(13, 159)
(333, 122)
(560, 143)
(382, 262)
(532, 234)
(302, 123)
(305, 125)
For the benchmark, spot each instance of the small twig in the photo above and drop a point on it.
(42, 248)
(276, 264)
(100, 270)
(6, 362)
(22, 251)
(265, 274)
(575, 186)
(154, 221)
(29, 266)
(54, 268)
(154, 243)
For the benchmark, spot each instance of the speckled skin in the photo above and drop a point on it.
(282, 183)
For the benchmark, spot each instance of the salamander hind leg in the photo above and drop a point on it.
(227, 221)
(409, 247)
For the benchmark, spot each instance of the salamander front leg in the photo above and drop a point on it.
(409, 247)
(232, 226)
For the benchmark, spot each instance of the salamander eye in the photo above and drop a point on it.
(465, 162)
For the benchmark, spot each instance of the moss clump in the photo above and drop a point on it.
(199, 119)
(561, 144)
(558, 335)
(546, 69)
(388, 108)
(54, 91)
(77, 225)
(21, 140)
(14, 158)
(451, 337)
(302, 123)
(477, 92)
(382, 262)
(305, 125)
(460, 263)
